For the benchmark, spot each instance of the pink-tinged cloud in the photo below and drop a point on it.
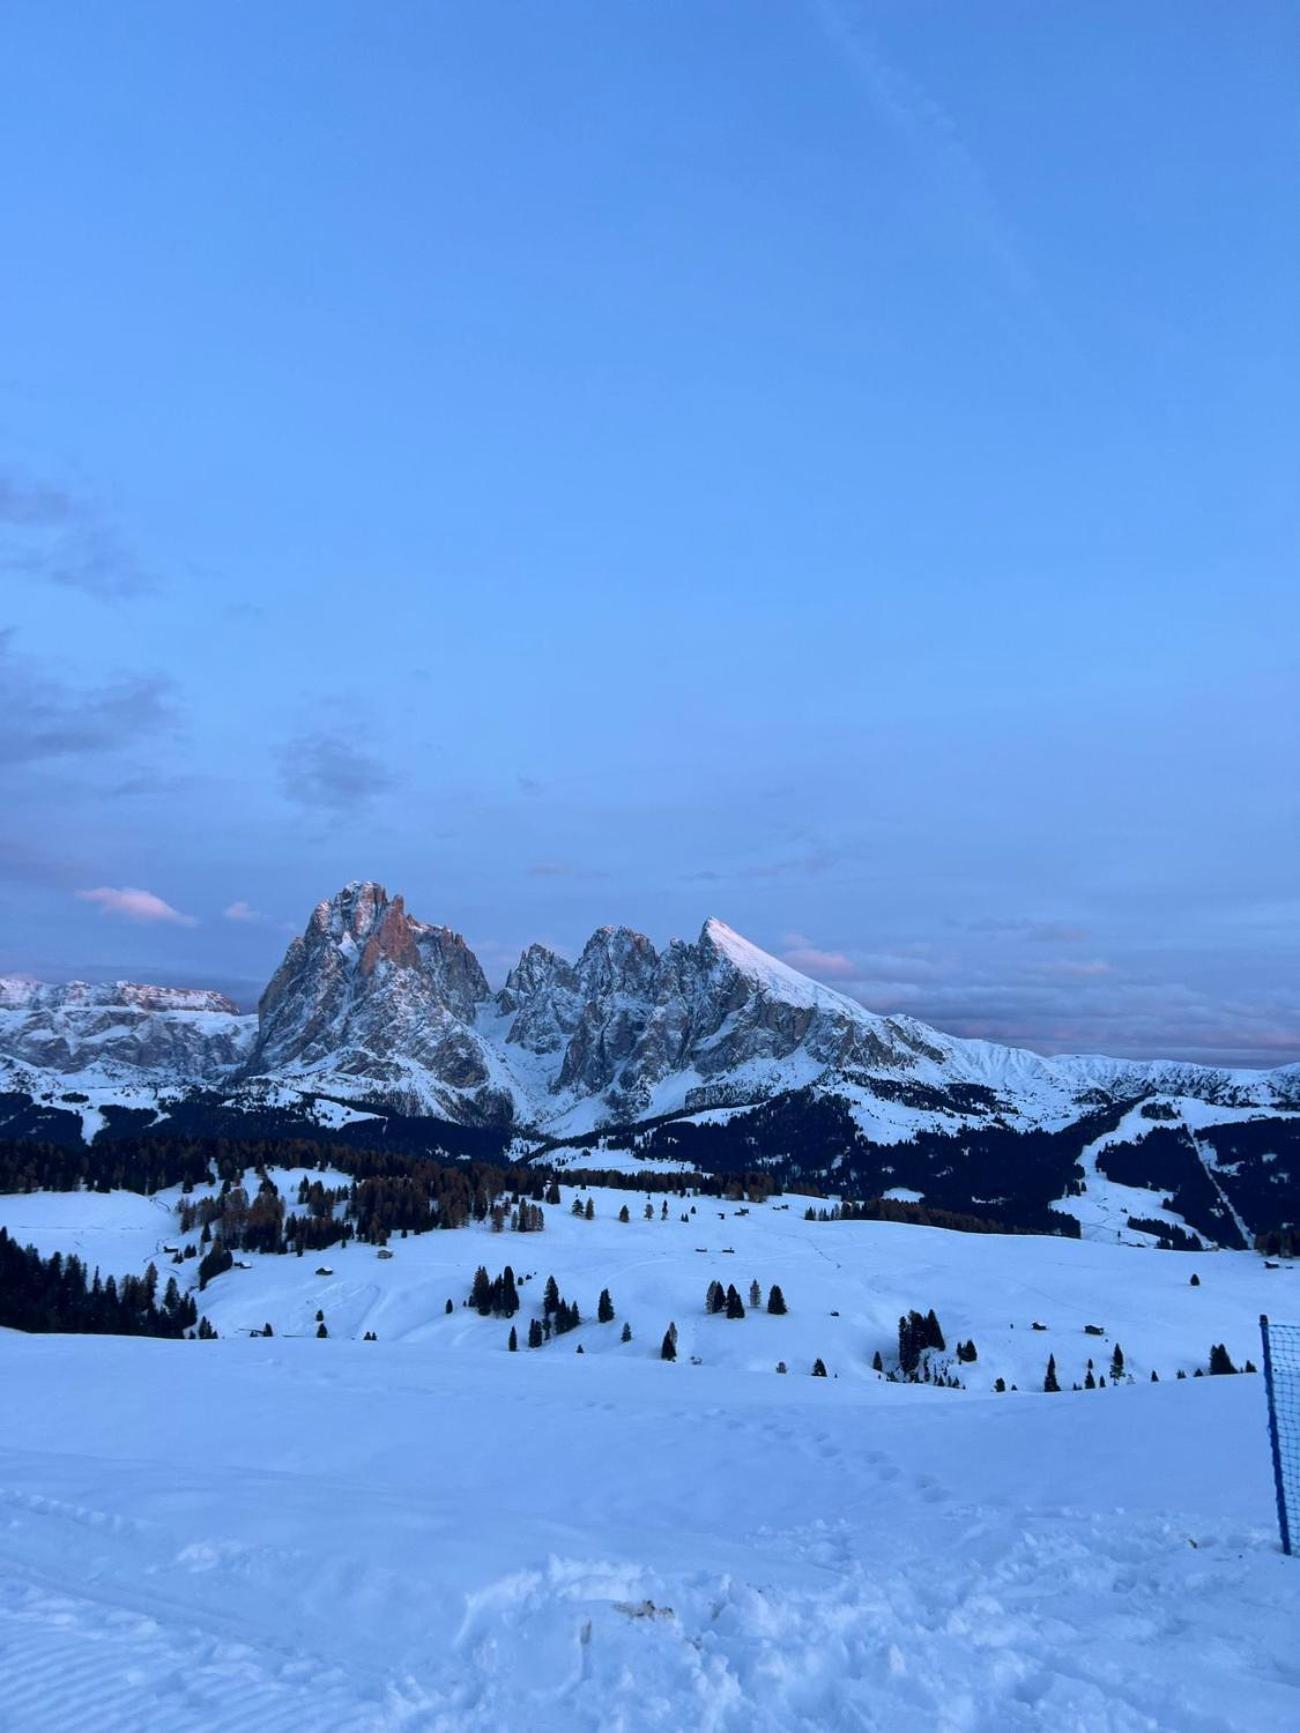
(822, 965)
(134, 905)
(241, 911)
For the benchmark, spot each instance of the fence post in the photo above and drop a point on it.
(1274, 1442)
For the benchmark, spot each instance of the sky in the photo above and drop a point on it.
(828, 464)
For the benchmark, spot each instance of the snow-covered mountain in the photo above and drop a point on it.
(122, 1030)
(372, 1005)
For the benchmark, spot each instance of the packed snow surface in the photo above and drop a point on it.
(429, 1532)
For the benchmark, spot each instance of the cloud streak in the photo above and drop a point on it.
(326, 769)
(136, 905)
(51, 535)
(44, 718)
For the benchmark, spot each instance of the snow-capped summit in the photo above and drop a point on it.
(374, 1006)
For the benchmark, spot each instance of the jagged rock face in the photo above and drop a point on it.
(374, 1006)
(368, 993)
(178, 1033)
(625, 1017)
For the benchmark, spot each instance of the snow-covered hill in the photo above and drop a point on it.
(428, 1531)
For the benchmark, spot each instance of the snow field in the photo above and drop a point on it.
(985, 1287)
(337, 1535)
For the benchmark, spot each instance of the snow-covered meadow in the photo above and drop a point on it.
(427, 1531)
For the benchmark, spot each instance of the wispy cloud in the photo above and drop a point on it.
(327, 769)
(241, 912)
(43, 717)
(932, 138)
(809, 865)
(823, 965)
(136, 905)
(55, 536)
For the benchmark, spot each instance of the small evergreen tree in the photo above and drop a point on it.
(513, 1341)
(590, 1211)
(781, 1366)
(1050, 1384)
(735, 1305)
(1117, 1364)
(627, 1333)
(715, 1300)
(535, 1333)
(1220, 1360)
(819, 1368)
(623, 1215)
(877, 1364)
(755, 1295)
(775, 1301)
(1195, 1281)
(604, 1308)
(321, 1330)
(668, 1350)
(1000, 1385)
(449, 1308)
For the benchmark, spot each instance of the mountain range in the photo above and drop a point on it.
(375, 1012)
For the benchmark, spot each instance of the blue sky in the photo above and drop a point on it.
(829, 465)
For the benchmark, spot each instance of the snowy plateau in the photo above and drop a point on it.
(429, 1531)
(360, 1508)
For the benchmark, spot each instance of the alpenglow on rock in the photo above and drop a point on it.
(370, 996)
(375, 1008)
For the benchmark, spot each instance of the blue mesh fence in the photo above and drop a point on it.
(1282, 1382)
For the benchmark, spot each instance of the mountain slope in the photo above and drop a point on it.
(373, 1009)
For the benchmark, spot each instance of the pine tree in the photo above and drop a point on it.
(755, 1295)
(1089, 1382)
(1117, 1364)
(775, 1301)
(480, 1293)
(1050, 1384)
(267, 1330)
(321, 1330)
(623, 1215)
(604, 1308)
(715, 1300)
(449, 1308)
(668, 1351)
(1220, 1360)
(877, 1364)
(590, 1210)
(627, 1333)
(1195, 1281)
(781, 1366)
(819, 1368)
(933, 1334)
(735, 1305)
(512, 1342)
(551, 1296)
(535, 1333)
(1000, 1385)
(649, 1212)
